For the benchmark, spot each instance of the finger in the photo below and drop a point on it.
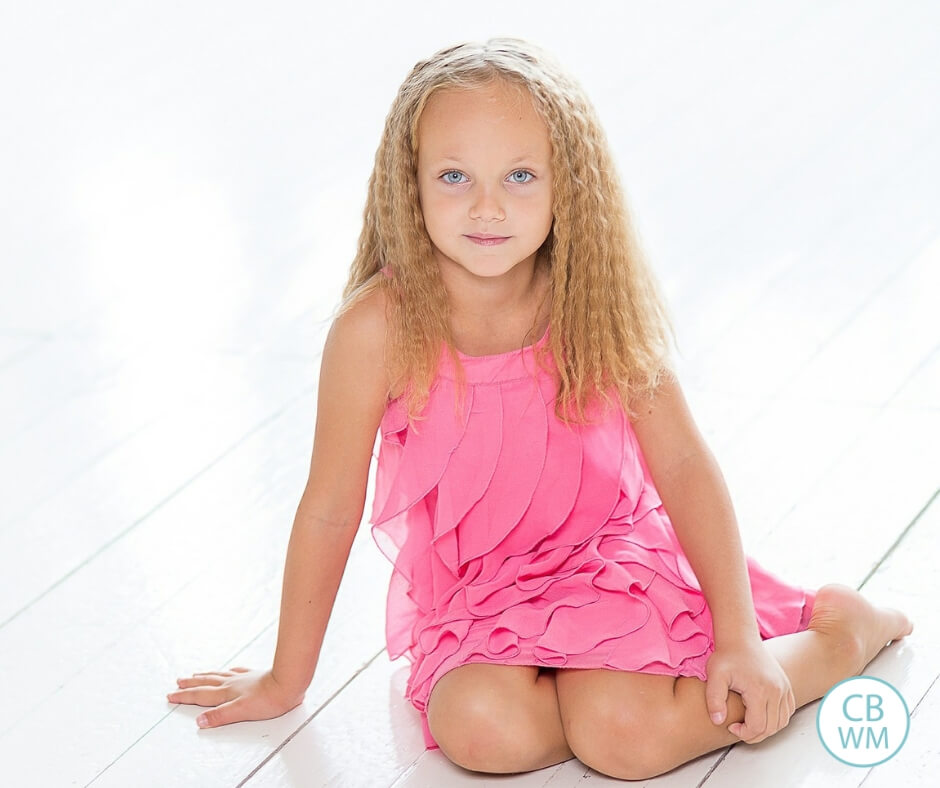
(746, 736)
(754, 725)
(787, 709)
(201, 696)
(784, 721)
(242, 670)
(783, 715)
(200, 681)
(222, 715)
(774, 724)
(716, 698)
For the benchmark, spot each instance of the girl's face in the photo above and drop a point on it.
(484, 168)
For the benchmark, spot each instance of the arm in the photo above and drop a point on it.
(695, 496)
(351, 401)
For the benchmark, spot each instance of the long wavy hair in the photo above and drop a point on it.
(609, 327)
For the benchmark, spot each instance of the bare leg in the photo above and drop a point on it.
(625, 724)
(845, 633)
(498, 718)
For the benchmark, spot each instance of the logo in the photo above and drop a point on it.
(863, 721)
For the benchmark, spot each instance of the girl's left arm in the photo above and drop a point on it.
(695, 496)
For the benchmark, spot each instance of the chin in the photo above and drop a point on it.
(489, 272)
(481, 264)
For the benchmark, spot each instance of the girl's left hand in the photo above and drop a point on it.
(750, 670)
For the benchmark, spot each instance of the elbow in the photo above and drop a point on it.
(324, 512)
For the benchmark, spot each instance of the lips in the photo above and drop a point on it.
(485, 239)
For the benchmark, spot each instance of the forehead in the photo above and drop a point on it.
(499, 114)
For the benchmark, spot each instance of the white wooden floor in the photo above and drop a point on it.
(181, 191)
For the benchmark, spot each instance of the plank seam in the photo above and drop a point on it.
(307, 721)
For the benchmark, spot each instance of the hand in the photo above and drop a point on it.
(238, 694)
(750, 670)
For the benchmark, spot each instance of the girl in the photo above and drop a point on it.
(568, 575)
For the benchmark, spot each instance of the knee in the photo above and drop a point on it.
(625, 741)
(479, 733)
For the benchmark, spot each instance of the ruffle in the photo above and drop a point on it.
(517, 539)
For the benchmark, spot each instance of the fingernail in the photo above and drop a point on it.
(716, 717)
(202, 721)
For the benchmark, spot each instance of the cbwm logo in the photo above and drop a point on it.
(863, 721)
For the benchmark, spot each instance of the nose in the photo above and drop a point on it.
(486, 205)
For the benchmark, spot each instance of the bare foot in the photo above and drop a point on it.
(861, 628)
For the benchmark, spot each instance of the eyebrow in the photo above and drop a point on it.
(524, 157)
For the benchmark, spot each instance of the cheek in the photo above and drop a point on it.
(436, 218)
(546, 211)
(438, 210)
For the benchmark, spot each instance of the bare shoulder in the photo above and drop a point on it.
(665, 394)
(665, 428)
(351, 400)
(354, 380)
(363, 324)
(355, 344)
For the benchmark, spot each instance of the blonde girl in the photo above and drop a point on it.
(568, 577)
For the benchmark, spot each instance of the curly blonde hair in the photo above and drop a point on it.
(609, 327)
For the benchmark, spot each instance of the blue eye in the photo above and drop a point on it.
(452, 172)
(521, 172)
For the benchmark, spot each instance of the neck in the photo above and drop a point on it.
(485, 299)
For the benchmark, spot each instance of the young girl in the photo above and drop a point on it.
(568, 575)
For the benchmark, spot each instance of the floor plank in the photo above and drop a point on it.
(158, 586)
(111, 457)
(353, 734)
(229, 755)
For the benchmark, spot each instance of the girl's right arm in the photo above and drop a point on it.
(352, 396)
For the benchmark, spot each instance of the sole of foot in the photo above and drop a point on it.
(842, 611)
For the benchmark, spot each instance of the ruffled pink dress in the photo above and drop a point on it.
(517, 540)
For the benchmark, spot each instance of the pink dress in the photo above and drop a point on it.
(518, 541)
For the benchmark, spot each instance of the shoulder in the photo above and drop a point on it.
(664, 426)
(665, 390)
(355, 344)
(363, 322)
(351, 400)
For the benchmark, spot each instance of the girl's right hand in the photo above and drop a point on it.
(238, 694)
